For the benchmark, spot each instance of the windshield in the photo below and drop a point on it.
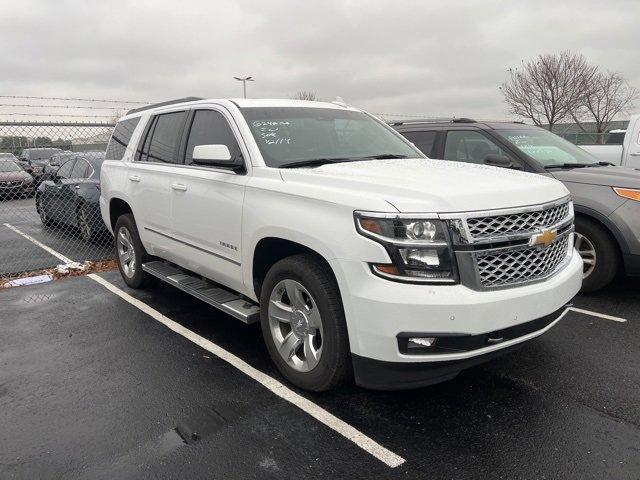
(6, 166)
(546, 147)
(7, 156)
(287, 135)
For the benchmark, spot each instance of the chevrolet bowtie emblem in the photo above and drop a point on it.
(545, 238)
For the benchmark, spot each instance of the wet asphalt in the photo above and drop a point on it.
(91, 387)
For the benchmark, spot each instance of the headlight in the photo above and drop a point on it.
(420, 248)
(630, 193)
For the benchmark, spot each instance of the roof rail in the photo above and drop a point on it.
(432, 120)
(162, 104)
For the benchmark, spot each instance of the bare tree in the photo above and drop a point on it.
(550, 87)
(305, 95)
(611, 96)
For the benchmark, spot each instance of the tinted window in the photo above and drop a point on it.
(120, 138)
(423, 140)
(211, 128)
(165, 137)
(65, 170)
(471, 147)
(81, 169)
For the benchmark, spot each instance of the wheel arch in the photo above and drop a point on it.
(269, 250)
(117, 207)
(606, 224)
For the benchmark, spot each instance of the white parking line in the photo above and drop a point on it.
(596, 314)
(360, 439)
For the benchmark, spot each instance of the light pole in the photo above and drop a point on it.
(244, 83)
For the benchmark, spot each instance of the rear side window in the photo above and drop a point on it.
(423, 140)
(211, 128)
(120, 138)
(161, 144)
(81, 169)
(65, 170)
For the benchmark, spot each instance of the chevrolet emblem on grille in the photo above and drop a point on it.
(544, 239)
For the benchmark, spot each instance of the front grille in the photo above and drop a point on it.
(512, 267)
(10, 184)
(516, 223)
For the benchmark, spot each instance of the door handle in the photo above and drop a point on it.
(635, 154)
(134, 178)
(77, 187)
(179, 186)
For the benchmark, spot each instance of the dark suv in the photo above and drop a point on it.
(606, 197)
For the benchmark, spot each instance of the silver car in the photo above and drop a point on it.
(606, 197)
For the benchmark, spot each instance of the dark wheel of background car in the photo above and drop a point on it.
(599, 252)
(130, 252)
(303, 323)
(44, 217)
(86, 230)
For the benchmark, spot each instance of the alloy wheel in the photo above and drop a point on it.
(587, 251)
(126, 252)
(83, 224)
(296, 325)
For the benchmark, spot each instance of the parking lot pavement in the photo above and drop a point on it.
(92, 387)
(20, 255)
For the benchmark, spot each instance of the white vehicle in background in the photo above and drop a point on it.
(359, 256)
(626, 154)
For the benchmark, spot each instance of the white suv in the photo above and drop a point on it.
(359, 256)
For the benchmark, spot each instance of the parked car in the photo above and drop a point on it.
(36, 158)
(14, 181)
(625, 152)
(606, 198)
(71, 197)
(354, 251)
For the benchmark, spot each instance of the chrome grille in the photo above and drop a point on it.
(512, 267)
(516, 223)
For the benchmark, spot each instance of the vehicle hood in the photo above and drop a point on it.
(426, 185)
(625, 177)
(14, 176)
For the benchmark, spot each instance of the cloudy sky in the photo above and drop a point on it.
(397, 57)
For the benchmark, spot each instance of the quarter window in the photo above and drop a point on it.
(471, 147)
(163, 138)
(120, 138)
(423, 140)
(211, 128)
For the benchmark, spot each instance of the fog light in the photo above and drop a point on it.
(421, 342)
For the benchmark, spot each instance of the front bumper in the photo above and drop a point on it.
(378, 375)
(378, 310)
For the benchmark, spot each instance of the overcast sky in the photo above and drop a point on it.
(400, 57)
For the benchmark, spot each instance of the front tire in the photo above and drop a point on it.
(40, 207)
(303, 323)
(130, 253)
(599, 252)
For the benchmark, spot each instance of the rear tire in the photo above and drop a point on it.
(314, 321)
(599, 253)
(130, 253)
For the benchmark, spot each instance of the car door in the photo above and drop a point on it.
(77, 179)
(207, 203)
(150, 177)
(56, 192)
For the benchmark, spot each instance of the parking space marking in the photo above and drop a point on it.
(39, 244)
(349, 432)
(596, 314)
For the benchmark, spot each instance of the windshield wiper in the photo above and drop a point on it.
(385, 155)
(570, 165)
(316, 162)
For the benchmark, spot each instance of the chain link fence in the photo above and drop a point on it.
(49, 195)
